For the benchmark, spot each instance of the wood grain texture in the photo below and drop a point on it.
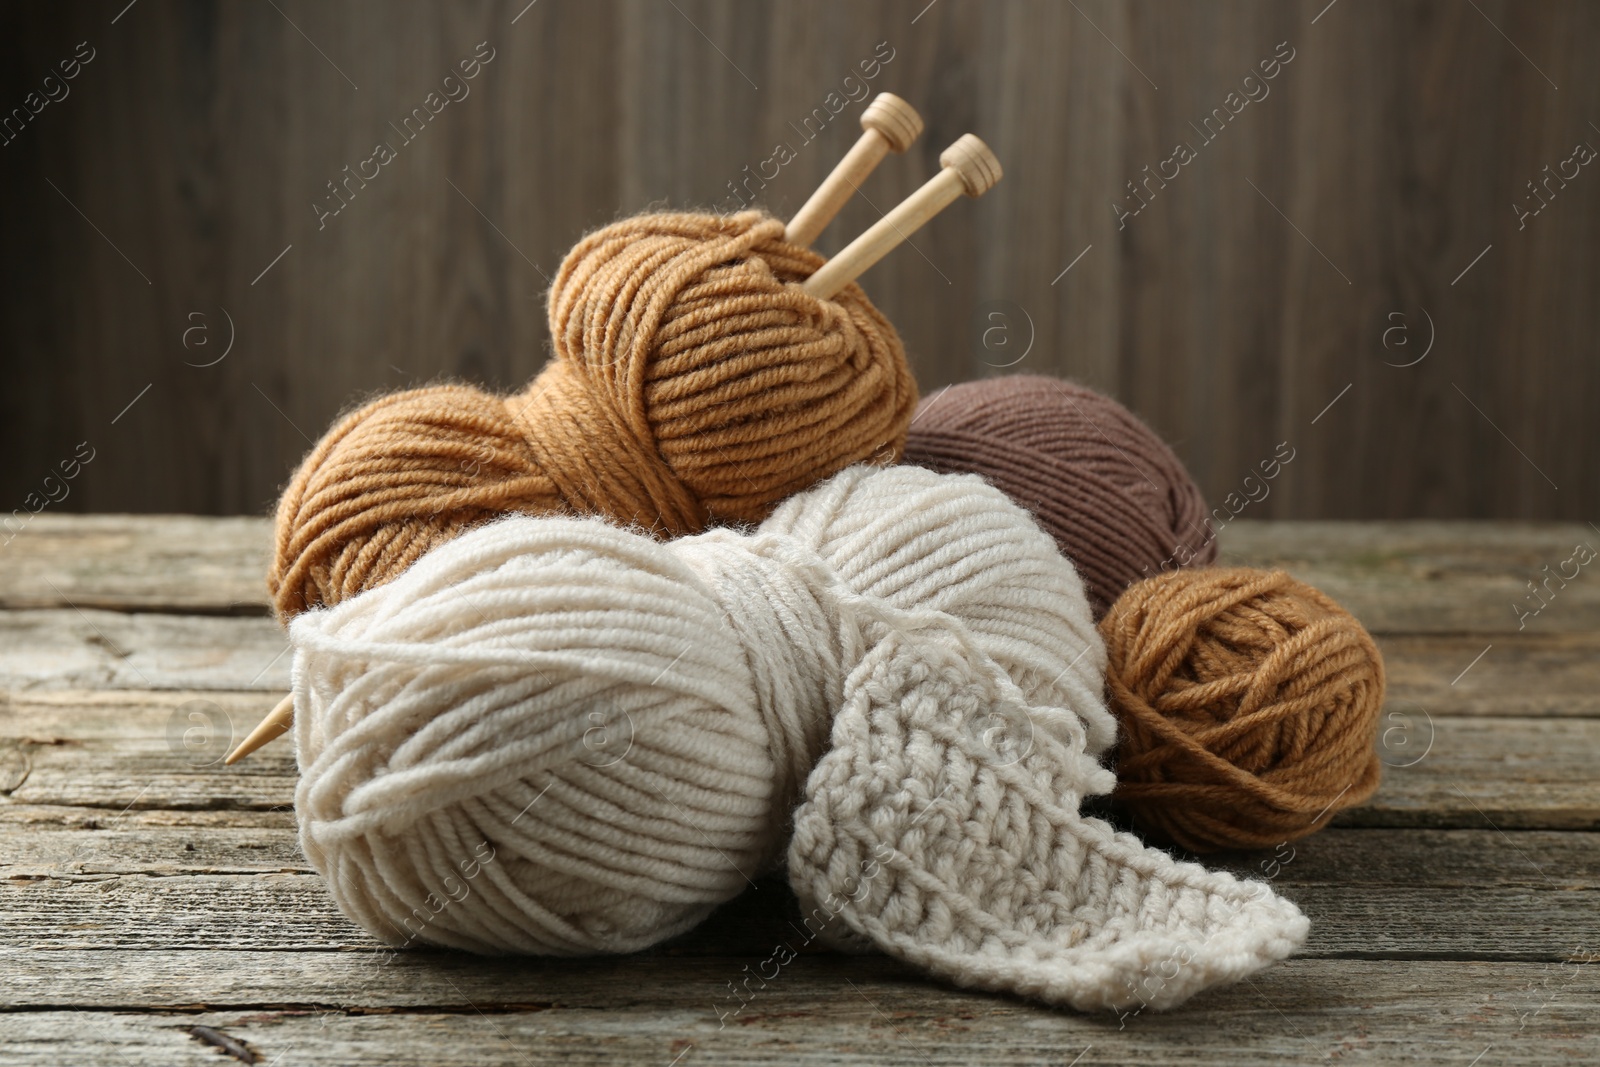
(1240, 302)
(63, 841)
(837, 1011)
(1437, 578)
(132, 749)
(116, 650)
(1429, 577)
(164, 563)
(1532, 899)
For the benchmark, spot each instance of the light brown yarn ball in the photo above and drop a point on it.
(693, 384)
(1248, 704)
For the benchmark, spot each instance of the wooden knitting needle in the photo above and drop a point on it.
(276, 723)
(889, 124)
(968, 167)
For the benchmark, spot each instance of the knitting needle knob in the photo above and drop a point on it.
(967, 167)
(889, 124)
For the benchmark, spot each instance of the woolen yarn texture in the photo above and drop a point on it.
(1248, 703)
(693, 383)
(889, 685)
(1117, 500)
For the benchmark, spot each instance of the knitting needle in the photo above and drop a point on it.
(967, 167)
(889, 124)
(277, 722)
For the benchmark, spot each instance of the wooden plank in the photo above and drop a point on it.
(1556, 674)
(141, 750)
(160, 750)
(1478, 772)
(815, 1010)
(1434, 577)
(43, 842)
(49, 816)
(1437, 578)
(138, 563)
(103, 843)
(82, 649)
(1420, 577)
(1553, 675)
(290, 911)
(1368, 893)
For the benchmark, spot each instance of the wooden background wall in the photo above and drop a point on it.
(1371, 190)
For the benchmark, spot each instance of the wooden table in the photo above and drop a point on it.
(155, 907)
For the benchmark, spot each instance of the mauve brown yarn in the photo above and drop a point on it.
(1117, 500)
(1247, 704)
(693, 383)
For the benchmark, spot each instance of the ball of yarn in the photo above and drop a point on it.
(1249, 706)
(692, 384)
(1118, 501)
(431, 711)
(556, 736)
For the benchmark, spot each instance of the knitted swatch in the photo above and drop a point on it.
(1249, 705)
(1117, 500)
(616, 731)
(692, 384)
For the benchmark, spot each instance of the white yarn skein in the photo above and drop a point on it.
(555, 736)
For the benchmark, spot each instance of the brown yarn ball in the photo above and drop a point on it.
(1117, 500)
(693, 384)
(1247, 703)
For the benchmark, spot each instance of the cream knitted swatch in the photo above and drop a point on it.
(559, 737)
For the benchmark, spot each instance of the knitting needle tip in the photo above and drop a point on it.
(275, 724)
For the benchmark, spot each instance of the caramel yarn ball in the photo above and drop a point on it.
(1117, 500)
(693, 384)
(1247, 703)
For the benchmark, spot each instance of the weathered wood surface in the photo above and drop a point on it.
(317, 1010)
(1368, 894)
(138, 563)
(1436, 577)
(77, 648)
(144, 750)
(47, 842)
(146, 890)
(1420, 577)
(1556, 674)
(1553, 675)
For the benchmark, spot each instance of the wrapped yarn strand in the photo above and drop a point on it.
(892, 686)
(1248, 704)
